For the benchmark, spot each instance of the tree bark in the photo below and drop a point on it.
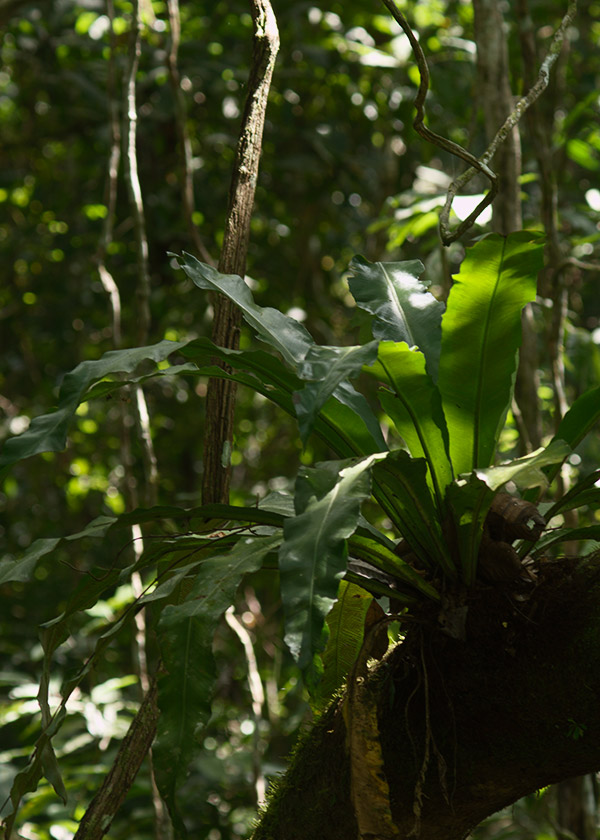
(497, 103)
(220, 396)
(100, 813)
(513, 708)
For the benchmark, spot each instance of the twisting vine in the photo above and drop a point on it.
(476, 164)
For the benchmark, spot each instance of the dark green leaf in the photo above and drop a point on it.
(109, 386)
(383, 558)
(414, 511)
(347, 423)
(325, 368)
(469, 499)
(48, 433)
(579, 420)
(283, 333)
(185, 635)
(585, 492)
(587, 532)
(313, 557)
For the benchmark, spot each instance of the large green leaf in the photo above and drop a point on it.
(414, 405)
(580, 418)
(283, 333)
(404, 309)
(471, 496)
(48, 433)
(355, 404)
(312, 559)
(585, 492)
(344, 427)
(108, 386)
(349, 427)
(21, 568)
(324, 369)
(585, 532)
(185, 634)
(481, 333)
(265, 366)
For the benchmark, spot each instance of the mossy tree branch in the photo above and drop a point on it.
(511, 709)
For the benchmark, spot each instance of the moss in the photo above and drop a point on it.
(306, 800)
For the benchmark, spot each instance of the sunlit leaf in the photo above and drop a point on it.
(526, 471)
(413, 403)
(403, 307)
(346, 624)
(481, 333)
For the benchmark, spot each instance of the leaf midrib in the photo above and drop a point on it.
(394, 296)
(482, 365)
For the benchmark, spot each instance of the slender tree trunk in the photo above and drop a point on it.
(497, 102)
(220, 398)
(133, 750)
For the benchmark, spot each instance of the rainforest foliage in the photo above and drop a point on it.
(413, 420)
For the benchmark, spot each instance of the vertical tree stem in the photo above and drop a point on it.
(98, 818)
(258, 700)
(497, 102)
(136, 745)
(220, 397)
(132, 178)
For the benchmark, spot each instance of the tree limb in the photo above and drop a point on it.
(511, 709)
